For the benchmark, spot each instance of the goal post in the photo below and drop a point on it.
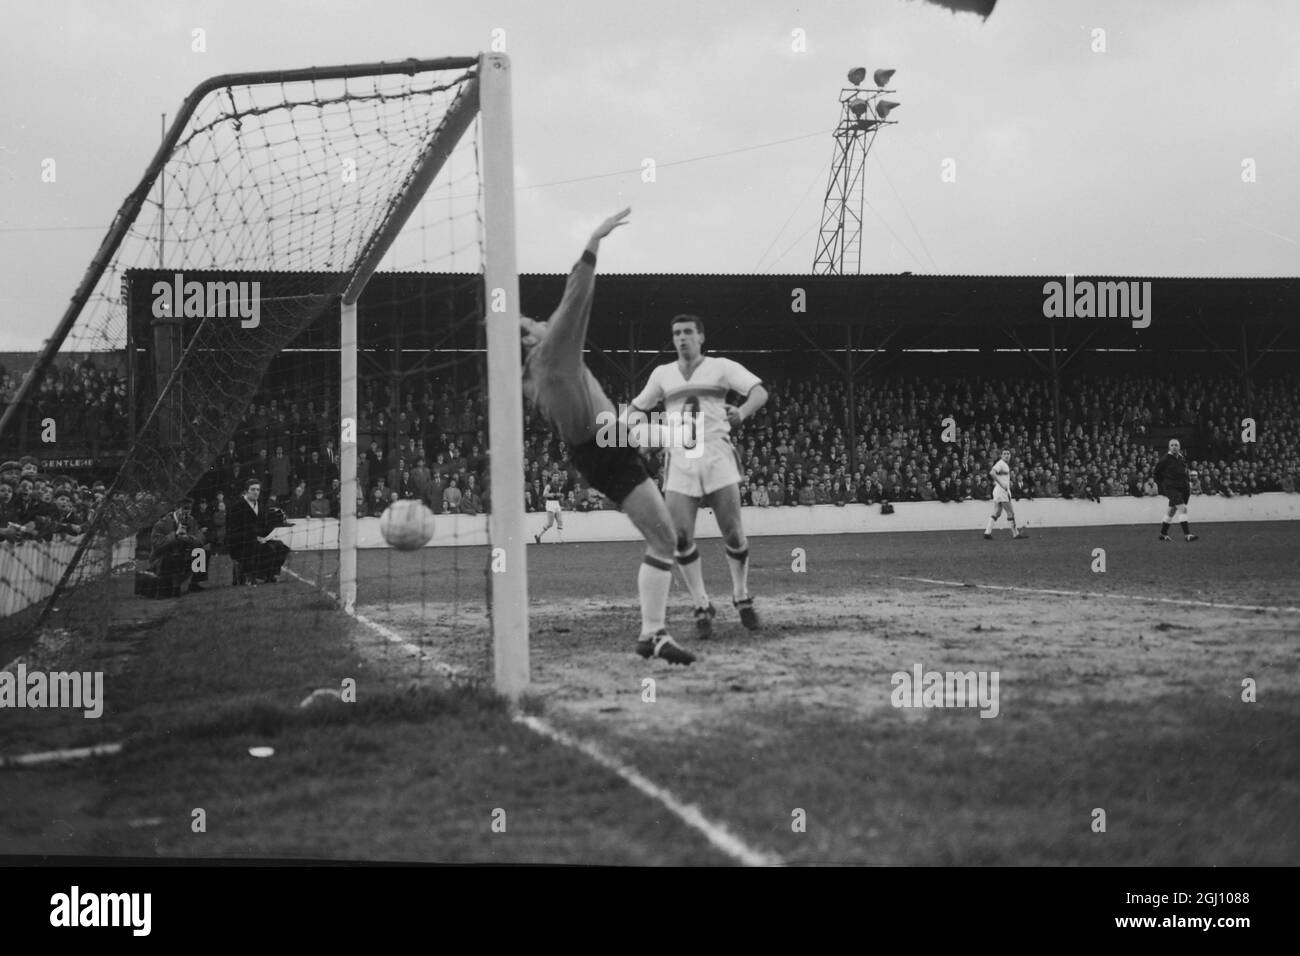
(508, 572)
(490, 96)
(301, 184)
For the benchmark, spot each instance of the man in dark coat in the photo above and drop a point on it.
(175, 537)
(248, 529)
(1171, 475)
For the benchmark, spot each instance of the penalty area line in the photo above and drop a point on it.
(717, 834)
(1101, 594)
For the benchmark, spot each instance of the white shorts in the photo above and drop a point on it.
(716, 467)
(552, 506)
(1001, 496)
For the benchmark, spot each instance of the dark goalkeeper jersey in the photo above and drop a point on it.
(555, 376)
(1171, 473)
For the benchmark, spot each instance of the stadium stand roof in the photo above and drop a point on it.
(749, 312)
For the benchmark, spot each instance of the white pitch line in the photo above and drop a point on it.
(715, 833)
(57, 756)
(1108, 596)
(447, 670)
(688, 813)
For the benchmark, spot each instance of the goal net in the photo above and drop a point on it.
(224, 332)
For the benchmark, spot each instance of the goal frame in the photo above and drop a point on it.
(488, 95)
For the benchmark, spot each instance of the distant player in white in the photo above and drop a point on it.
(695, 387)
(1001, 474)
(554, 514)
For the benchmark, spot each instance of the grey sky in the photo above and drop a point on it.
(1067, 160)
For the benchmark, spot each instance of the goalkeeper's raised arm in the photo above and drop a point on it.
(557, 379)
(555, 376)
(571, 317)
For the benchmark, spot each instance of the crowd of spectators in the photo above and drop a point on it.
(38, 506)
(86, 400)
(796, 448)
(432, 447)
(916, 439)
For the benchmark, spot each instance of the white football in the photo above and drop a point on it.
(407, 524)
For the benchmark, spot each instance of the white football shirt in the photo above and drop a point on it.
(1002, 474)
(704, 393)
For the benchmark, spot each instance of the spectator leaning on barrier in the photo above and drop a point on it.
(472, 504)
(1094, 485)
(298, 504)
(451, 498)
(320, 505)
(776, 494)
(13, 525)
(67, 522)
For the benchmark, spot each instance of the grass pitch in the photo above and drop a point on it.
(1119, 691)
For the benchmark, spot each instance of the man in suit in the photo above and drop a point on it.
(298, 504)
(248, 530)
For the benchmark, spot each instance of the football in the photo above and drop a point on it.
(407, 524)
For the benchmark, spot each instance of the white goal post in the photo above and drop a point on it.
(489, 96)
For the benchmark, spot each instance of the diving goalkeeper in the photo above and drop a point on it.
(558, 382)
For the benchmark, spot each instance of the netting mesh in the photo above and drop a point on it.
(224, 294)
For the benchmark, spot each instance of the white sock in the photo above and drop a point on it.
(988, 528)
(694, 575)
(738, 564)
(652, 583)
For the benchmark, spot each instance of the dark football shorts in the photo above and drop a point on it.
(1176, 496)
(612, 471)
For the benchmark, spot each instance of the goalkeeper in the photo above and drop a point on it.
(559, 383)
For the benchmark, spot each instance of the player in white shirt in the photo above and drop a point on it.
(695, 387)
(1001, 474)
(554, 514)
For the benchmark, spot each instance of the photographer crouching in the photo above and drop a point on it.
(175, 538)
